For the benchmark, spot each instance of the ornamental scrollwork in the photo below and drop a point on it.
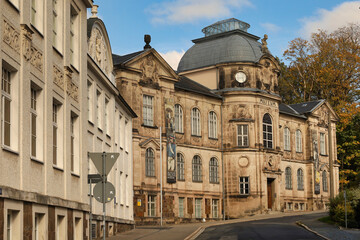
(11, 37)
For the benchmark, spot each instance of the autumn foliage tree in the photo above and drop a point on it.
(327, 66)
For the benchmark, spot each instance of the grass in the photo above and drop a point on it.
(327, 220)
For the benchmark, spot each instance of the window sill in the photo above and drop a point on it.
(36, 30)
(75, 175)
(90, 122)
(74, 68)
(58, 168)
(108, 136)
(148, 126)
(37, 160)
(8, 149)
(244, 195)
(243, 146)
(288, 189)
(181, 180)
(197, 136)
(324, 155)
(300, 189)
(150, 176)
(211, 138)
(58, 51)
(182, 133)
(289, 151)
(100, 129)
(214, 182)
(197, 181)
(15, 7)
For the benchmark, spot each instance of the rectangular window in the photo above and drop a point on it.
(90, 101)
(74, 37)
(127, 192)
(126, 134)
(8, 226)
(39, 226)
(148, 117)
(60, 227)
(198, 207)
(74, 143)
(322, 144)
(57, 26)
(121, 188)
(106, 116)
(34, 114)
(151, 206)
(6, 107)
(181, 207)
(242, 136)
(98, 109)
(93, 230)
(37, 11)
(244, 185)
(12, 225)
(215, 208)
(55, 133)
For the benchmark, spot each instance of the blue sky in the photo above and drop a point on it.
(172, 24)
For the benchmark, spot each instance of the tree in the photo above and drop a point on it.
(327, 66)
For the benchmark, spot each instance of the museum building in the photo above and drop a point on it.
(214, 138)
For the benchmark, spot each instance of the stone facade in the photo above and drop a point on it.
(46, 131)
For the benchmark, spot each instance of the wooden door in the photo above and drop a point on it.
(269, 194)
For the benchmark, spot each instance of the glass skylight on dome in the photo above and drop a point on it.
(225, 26)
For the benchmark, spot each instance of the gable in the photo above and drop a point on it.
(150, 142)
(322, 111)
(99, 47)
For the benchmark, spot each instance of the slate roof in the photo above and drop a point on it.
(307, 107)
(287, 109)
(189, 85)
(117, 59)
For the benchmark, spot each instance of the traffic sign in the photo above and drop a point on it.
(94, 178)
(109, 192)
(110, 159)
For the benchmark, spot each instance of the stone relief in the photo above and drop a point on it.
(98, 50)
(149, 72)
(58, 77)
(26, 41)
(72, 89)
(11, 37)
(271, 163)
(36, 59)
(241, 112)
(323, 120)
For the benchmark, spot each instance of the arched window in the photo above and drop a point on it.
(298, 141)
(300, 179)
(214, 169)
(288, 180)
(212, 125)
(324, 181)
(196, 169)
(178, 119)
(180, 167)
(195, 122)
(287, 139)
(267, 131)
(149, 163)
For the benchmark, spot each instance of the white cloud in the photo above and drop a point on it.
(173, 58)
(330, 20)
(270, 27)
(185, 11)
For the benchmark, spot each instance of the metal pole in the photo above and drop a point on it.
(331, 161)
(161, 210)
(103, 193)
(90, 218)
(222, 161)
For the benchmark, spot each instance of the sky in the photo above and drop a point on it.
(173, 24)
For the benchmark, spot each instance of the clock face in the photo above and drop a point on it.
(240, 77)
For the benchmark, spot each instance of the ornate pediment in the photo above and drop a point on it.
(149, 72)
(99, 49)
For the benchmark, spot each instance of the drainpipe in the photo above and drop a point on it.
(331, 161)
(222, 158)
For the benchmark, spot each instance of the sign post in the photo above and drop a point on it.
(103, 163)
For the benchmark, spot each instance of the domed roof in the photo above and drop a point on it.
(229, 45)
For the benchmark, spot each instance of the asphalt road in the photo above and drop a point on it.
(283, 228)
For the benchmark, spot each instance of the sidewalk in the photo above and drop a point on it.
(328, 231)
(191, 230)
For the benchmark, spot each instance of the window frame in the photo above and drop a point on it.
(300, 179)
(198, 207)
(195, 122)
(212, 122)
(179, 123)
(298, 141)
(6, 120)
(322, 144)
(149, 162)
(151, 206)
(213, 170)
(215, 208)
(244, 185)
(288, 178)
(287, 145)
(268, 136)
(196, 169)
(181, 207)
(242, 137)
(325, 181)
(74, 36)
(180, 164)
(148, 110)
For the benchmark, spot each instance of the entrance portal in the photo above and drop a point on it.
(270, 182)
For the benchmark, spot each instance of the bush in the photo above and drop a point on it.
(337, 208)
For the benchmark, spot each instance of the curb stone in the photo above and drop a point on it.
(310, 230)
(195, 234)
